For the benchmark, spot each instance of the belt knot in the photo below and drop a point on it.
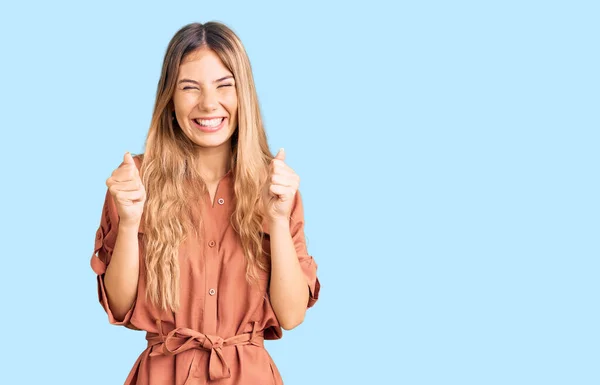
(180, 340)
(212, 342)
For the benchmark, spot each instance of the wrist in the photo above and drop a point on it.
(129, 227)
(279, 221)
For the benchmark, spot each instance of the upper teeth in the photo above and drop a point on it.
(209, 122)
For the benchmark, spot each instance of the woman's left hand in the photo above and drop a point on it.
(281, 188)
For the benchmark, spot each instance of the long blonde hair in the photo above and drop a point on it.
(169, 168)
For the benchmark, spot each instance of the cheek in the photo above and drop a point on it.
(183, 104)
(230, 103)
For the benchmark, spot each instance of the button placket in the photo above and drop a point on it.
(215, 226)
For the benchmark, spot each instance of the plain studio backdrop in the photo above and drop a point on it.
(448, 153)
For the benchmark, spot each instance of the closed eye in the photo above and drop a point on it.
(190, 88)
(225, 85)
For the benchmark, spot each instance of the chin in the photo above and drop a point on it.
(213, 142)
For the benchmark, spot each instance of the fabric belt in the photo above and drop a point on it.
(180, 340)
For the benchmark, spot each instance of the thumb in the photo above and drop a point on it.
(128, 159)
(281, 154)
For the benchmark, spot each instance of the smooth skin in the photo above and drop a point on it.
(121, 276)
(288, 291)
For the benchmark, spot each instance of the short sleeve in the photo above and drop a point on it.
(104, 243)
(307, 262)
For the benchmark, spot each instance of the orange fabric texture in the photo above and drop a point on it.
(217, 336)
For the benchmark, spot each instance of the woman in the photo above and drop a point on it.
(201, 241)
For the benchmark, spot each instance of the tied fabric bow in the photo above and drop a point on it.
(183, 339)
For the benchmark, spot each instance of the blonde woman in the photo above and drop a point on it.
(201, 241)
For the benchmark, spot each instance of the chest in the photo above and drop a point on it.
(212, 192)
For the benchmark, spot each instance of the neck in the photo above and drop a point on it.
(214, 162)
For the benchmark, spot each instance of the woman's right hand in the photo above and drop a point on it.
(128, 192)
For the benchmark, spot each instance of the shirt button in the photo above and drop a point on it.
(212, 243)
(212, 291)
(221, 201)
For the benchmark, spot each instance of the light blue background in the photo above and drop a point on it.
(449, 161)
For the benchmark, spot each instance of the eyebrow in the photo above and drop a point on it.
(195, 82)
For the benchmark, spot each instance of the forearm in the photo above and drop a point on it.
(289, 290)
(121, 277)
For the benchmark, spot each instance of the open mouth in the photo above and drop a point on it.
(209, 125)
(209, 122)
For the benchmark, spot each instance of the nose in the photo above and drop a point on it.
(208, 101)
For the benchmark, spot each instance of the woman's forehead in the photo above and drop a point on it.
(197, 54)
(204, 64)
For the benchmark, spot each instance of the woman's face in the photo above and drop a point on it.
(205, 99)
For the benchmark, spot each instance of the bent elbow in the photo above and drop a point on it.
(290, 324)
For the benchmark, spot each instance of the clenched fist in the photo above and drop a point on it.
(128, 192)
(281, 188)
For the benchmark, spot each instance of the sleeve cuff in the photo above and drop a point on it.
(309, 267)
(99, 267)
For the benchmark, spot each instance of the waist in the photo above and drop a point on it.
(181, 339)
